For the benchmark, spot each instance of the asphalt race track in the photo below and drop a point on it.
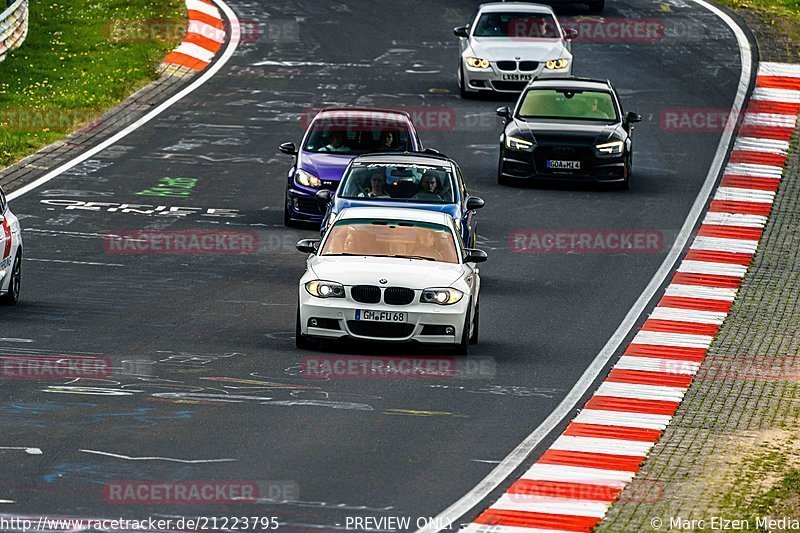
(183, 331)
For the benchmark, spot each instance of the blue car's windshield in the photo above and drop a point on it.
(358, 136)
(397, 182)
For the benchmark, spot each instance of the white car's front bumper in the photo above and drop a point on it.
(425, 323)
(493, 79)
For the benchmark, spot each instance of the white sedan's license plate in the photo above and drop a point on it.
(563, 165)
(380, 316)
(517, 77)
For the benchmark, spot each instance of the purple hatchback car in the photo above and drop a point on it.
(333, 138)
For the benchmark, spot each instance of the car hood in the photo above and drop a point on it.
(578, 132)
(411, 273)
(526, 49)
(327, 167)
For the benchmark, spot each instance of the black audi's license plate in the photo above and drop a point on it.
(563, 165)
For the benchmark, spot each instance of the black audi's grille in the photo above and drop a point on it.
(398, 296)
(380, 329)
(526, 66)
(367, 294)
(509, 85)
(507, 65)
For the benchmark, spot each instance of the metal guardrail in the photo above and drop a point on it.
(13, 27)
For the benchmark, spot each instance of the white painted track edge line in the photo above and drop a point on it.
(517, 456)
(207, 75)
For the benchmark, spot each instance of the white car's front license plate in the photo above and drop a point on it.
(517, 77)
(380, 316)
(563, 165)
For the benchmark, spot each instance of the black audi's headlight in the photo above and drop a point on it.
(613, 147)
(515, 143)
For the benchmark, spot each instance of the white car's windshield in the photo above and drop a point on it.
(568, 104)
(517, 25)
(391, 238)
(406, 183)
(358, 136)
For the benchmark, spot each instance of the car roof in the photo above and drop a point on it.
(576, 83)
(395, 213)
(407, 158)
(363, 112)
(524, 7)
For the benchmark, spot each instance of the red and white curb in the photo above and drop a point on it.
(573, 484)
(204, 37)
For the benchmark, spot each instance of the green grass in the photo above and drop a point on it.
(767, 483)
(783, 14)
(81, 58)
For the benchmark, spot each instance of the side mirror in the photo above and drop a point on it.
(308, 246)
(288, 148)
(570, 34)
(324, 197)
(461, 31)
(475, 256)
(432, 151)
(504, 112)
(631, 118)
(474, 202)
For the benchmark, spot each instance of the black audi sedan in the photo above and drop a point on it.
(567, 129)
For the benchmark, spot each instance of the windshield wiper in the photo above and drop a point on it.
(414, 257)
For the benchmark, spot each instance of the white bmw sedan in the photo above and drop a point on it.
(508, 44)
(392, 275)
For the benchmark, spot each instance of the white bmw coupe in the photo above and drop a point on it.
(391, 275)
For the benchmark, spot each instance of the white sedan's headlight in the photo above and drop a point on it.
(306, 178)
(441, 296)
(515, 143)
(557, 64)
(614, 147)
(477, 62)
(325, 289)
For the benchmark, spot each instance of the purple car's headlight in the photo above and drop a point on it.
(306, 178)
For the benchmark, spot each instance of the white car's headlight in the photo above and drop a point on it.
(614, 147)
(441, 296)
(325, 289)
(477, 62)
(515, 143)
(557, 64)
(306, 178)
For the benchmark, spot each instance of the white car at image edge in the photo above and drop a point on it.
(10, 254)
(390, 275)
(508, 44)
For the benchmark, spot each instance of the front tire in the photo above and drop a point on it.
(462, 348)
(462, 89)
(501, 180)
(15, 284)
(301, 341)
(473, 339)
